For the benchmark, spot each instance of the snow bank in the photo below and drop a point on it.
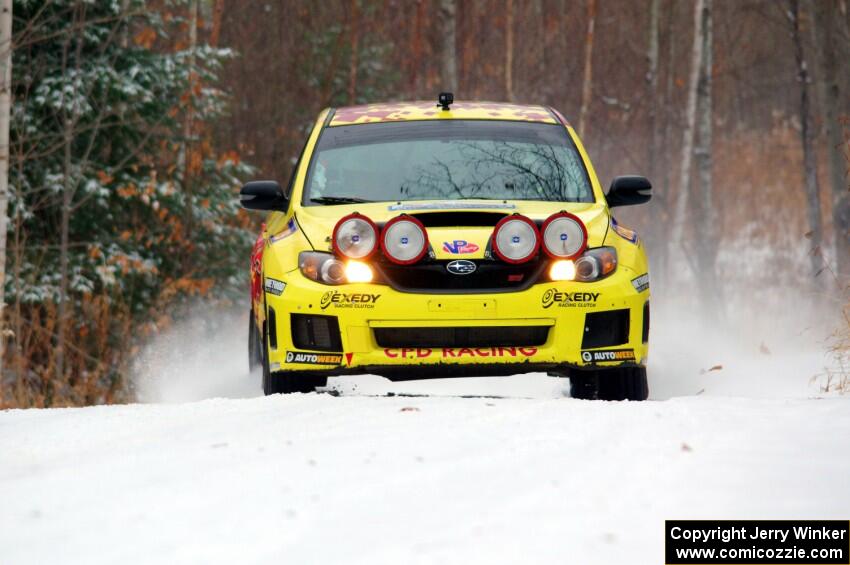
(318, 479)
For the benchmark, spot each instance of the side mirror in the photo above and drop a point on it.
(263, 195)
(629, 190)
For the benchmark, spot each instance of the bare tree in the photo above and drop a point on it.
(448, 38)
(587, 81)
(826, 39)
(705, 217)
(652, 81)
(5, 110)
(688, 132)
(354, 30)
(69, 120)
(810, 169)
(652, 97)
(188, 150)
(509, 50)
(215, 31)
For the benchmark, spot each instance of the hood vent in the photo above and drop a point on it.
(460, 218)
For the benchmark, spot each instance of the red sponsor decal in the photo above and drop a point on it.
(348, 358)
(459, 352)
(406, 352)
(257, 267)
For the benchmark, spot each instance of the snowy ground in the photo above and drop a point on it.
(527, 477)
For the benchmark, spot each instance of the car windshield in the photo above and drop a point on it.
(446, 160)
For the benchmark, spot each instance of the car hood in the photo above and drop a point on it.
(456, 229)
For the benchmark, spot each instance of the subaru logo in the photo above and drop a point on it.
(461, 267)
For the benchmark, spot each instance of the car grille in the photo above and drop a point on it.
(433, 278)
(604, 329)
(319, 333)
(489, 336)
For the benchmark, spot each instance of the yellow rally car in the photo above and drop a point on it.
(417, 240)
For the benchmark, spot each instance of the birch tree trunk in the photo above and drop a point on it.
(688, 133)
(448, 37)
(5, 110)
(826, 39)
(587, 82)
(705, 219)
(509, 50)
(813, 204)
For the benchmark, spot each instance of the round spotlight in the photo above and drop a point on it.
(404, 240)
(564, 236)
(355, 237)
(516, 239)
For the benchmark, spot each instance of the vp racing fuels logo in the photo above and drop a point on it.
(461, 267)
(608, 355)
(348, 299)
(459, 246)
(568, 299)
(313, 358)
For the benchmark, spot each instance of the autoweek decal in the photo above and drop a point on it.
(459, 352)
(641, 283)
(313, 358)
(339, 299)
(606, 355)
(568, 299)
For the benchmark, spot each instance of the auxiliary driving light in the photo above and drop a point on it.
(404, 240)
(516, 239)
(562, 270)
(355, 237)
(564, 236)
(357, 272)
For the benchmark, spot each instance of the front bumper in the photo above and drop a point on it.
(371, 328)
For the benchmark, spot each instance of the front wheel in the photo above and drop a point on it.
(284, 382)
(255, 342)
(627, 383)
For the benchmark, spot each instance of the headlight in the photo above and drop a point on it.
(327, 269)
(593, 265)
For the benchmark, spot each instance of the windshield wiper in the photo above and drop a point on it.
(338, 200)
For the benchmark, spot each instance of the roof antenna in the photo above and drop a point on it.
(445, 99)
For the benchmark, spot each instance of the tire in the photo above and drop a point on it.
(584, 384)
(287, 382)
(628, 383)
(255, 353)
